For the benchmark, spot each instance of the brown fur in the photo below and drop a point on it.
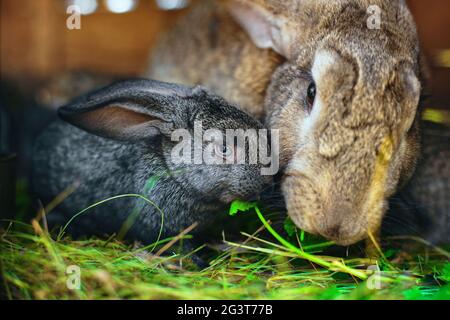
(334, 184)
(196, 51)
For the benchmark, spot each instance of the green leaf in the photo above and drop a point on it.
(290, 227)
(240, 206)
(445, 274)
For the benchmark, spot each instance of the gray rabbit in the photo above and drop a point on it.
(117, 141)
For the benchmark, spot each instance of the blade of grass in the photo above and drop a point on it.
(308, 256)
(111, 199)
(177, 238)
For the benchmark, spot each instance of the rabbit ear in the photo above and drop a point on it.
(264, 28)
(129, 110)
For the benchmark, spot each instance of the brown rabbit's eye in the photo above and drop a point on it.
(311, 94)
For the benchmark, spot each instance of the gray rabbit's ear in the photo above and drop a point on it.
(130, 110)
(266, 29)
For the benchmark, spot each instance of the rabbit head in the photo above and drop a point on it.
(156, 115)
(345, 102)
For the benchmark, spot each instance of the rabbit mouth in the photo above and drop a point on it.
(343, 222)
(229, 198)
(342, 234)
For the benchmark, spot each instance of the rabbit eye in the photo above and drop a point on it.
(311, 94)
(223, 151)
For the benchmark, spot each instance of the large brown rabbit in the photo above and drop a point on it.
(343, 93)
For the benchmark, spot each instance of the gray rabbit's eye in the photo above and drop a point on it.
(311, 95)
(223, 151)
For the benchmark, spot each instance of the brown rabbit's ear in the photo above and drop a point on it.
(266, 29)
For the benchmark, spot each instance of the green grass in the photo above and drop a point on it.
(262, 265)
(33, 266)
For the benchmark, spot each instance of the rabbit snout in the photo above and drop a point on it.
(341, 205)
(314, 212)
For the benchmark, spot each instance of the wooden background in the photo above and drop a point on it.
(35, 43)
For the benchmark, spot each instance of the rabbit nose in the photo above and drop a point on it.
(330, 232)
(335, 223)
